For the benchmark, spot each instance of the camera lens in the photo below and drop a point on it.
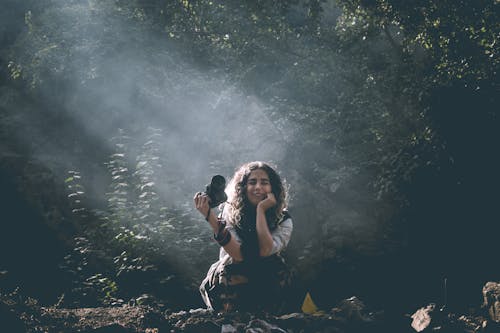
(218, 182)
(215, 190)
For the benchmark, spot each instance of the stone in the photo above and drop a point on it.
(423, 317)
(353, 309)
(228, 328)
(261, 326)
(491, 300)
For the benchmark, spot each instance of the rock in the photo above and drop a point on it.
(491, 300)
(261, 326)
(113, 328)
(200, 311)
(352, 309)
(228, 328)
(295, 320)
(423, 317)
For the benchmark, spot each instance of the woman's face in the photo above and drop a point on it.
(258, 186)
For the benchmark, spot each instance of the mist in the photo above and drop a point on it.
(115, 86)
(123, 115)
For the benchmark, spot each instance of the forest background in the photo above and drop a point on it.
(382, 116)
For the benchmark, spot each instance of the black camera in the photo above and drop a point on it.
(215, 191)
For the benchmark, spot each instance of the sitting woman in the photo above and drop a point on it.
(252, 230)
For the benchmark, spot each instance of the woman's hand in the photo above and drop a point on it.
(268, 202)
(201, 202)
(263, 234)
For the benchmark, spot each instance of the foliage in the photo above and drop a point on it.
(88, 287)
(352, 89)
(139, 246)
(461, 37)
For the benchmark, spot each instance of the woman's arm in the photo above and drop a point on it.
(233, 246)
(263, 234)
(281, 235)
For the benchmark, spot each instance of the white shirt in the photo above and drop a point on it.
(281, 236)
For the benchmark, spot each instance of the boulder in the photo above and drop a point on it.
(423, 317)
(491, 300)
(353, 309)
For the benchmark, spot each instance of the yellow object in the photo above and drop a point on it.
(308, 306)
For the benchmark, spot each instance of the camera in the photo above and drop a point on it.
(215, 191)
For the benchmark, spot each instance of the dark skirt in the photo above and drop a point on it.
(260, 285)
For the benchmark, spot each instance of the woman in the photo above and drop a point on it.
(252, 230)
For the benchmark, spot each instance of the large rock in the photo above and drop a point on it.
(423, 317)
(491, 300)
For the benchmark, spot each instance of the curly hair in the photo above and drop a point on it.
(237, 197)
